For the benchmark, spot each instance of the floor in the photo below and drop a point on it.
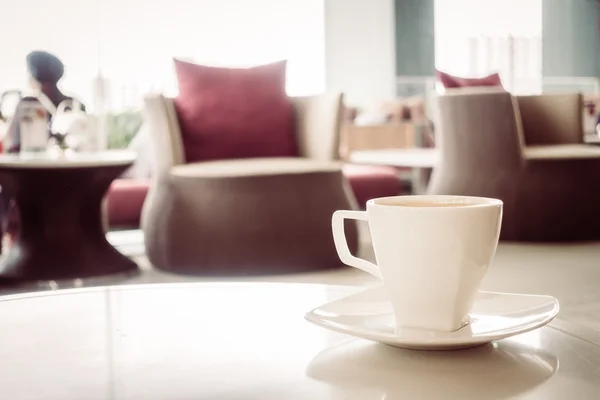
(570, 272)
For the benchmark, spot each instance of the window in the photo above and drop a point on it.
(38, 24)
(479, 37)
(117, 50)
(139, 38)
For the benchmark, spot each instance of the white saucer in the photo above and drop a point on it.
(368, 315)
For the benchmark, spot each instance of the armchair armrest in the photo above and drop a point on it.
(561, 152)
(318, 125)
(552, 119)
(165, 134)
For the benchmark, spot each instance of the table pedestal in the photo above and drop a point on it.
(60, 233)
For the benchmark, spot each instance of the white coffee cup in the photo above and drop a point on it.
(432, 253)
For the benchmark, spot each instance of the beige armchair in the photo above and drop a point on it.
(247, 216)
(526, 151)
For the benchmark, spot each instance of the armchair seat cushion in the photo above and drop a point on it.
(251, 167)
(561, 152)
(371, 181)
(125, 199)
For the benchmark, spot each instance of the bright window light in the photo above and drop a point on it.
(130, 43)
(479, 37)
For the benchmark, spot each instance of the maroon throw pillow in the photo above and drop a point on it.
(451, 81)
(227, 113)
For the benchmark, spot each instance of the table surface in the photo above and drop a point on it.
(413, 158)
(250, 341)
(591, 138)
(68, 160)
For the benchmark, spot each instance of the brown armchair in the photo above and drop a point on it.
(247, 216)
(526, 151)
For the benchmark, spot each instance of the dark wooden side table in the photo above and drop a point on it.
(61, 235)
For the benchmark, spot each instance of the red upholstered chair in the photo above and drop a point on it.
(125, 199)
(371, 181)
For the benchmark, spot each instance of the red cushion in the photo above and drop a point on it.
(125, 199)
(369, 181)
(451, 81)
(227, 113)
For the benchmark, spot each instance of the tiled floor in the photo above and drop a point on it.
(571, 272)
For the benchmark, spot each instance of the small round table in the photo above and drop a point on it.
(61, 234)
(224, 341)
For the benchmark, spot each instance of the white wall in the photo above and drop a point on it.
(360, 55)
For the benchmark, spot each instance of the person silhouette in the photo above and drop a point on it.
(45, 71)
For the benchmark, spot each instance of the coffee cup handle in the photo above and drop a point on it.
(341, 244)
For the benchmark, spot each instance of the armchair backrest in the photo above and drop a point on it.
(552, 118)
(478, 130)
(318, 128)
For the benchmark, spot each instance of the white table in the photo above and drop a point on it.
(420, 160)
(249, 341)
(67, 160)
(591, 138)
(60, 231)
